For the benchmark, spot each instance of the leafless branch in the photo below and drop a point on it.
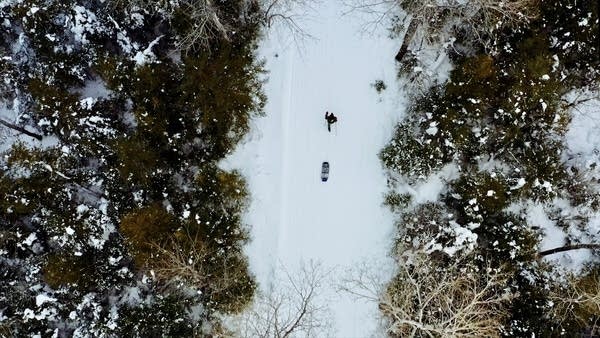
(435, 20)
(292, 308)
(286, 16)
(365, 281)
(184, 260)
(577, 299)
(203, 18)
(444, 301)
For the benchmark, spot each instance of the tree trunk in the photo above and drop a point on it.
(568, 248)
(410, 33)
(21, 129)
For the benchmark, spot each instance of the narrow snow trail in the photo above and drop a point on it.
(294, 217)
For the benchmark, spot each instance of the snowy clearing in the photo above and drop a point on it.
(294, 217)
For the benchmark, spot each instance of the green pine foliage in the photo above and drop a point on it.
(422, 225)
(479, 195)
(575, 30)
(395, 201)
(144, 227)
(131, 166)
(407, 153)
(136, 159)
(64, 270)
(162, 317)
(226, 114)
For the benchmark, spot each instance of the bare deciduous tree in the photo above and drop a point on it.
(287, 14)
(206, 24)
(577, 299)
(293, 308)
(428, 300)
(433, 20)
(204, 21)
(188, 262)
(274, 10)
(175, 264)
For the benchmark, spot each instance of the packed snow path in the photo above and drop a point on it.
(294, 217)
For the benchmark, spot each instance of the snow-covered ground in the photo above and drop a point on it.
(582, 142)
(582, 152)
(294, 217)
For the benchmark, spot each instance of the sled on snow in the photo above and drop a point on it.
(324, 171)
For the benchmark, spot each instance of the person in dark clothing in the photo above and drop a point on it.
(331, 119)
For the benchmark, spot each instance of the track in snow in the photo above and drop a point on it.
(294, 217)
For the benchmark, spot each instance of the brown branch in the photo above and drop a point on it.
(568, 248)
(21, 129)
(410, 33)
(450, 301)
(292, 308)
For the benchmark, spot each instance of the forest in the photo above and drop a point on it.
(470, 264)
(119, 222)
(116, 219)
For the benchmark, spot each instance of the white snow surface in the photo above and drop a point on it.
(42, 298)
(583, 152)
(583, 139)
(293, 216)
(429, 190)
(582, 142)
